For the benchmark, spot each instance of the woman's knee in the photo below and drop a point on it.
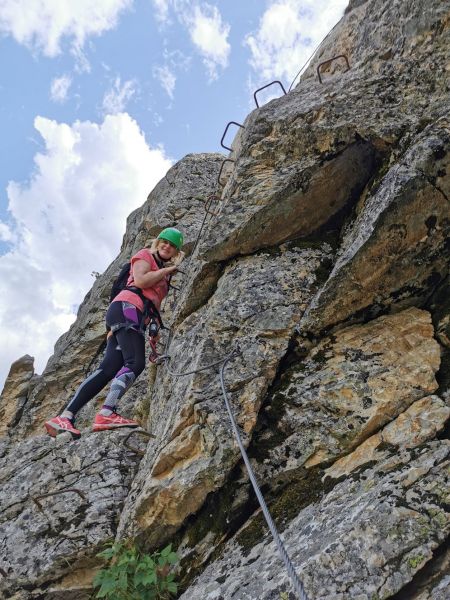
(132, 347)
(138, 365)
(134, 365)
(109, 369)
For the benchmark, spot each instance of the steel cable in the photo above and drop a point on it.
(305, 64)
(298, 586)
(282, 550)
(313, 52)
(214, 364)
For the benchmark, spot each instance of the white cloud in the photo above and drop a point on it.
(116, 99)
(41, 24)
(6, 235)
(82, 64)
(67, 221)
(161, 10)
(209, 34)
(174, 61)
(167, 79)
(289, 30)
(59, 88)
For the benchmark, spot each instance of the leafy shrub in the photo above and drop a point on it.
(133, 575)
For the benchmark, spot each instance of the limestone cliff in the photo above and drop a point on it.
(325, 262)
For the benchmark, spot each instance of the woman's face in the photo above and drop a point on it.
(166, 250)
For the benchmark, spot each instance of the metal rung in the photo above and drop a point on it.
(330, 60)
(266, 86)
(132, 448)
(208, 203)
(225, 133)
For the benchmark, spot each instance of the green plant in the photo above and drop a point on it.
(414, 561)
(133, 575)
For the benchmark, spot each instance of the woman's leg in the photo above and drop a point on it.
(111, 363)
(125, 348)
(132, 347)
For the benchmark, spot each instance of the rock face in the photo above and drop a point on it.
(15, 392)
(366, 539)
(418, 424)
(60, 501)
(400, 241)
(257, 303)
(325, 276)
(347, 388)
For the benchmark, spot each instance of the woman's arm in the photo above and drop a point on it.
(144, 277)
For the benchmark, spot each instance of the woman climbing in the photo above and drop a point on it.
(126, 319)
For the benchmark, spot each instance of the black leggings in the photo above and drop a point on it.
(125, 351)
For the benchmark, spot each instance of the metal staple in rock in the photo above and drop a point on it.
(298, 586)
(312, 54)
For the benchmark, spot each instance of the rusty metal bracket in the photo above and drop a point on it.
(221, 169)
(74, 490)
(209, 202)
(128, 446)
(225, 133)
(330, 60)
(266, 86)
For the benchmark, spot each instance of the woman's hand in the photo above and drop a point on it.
(144, 277)
(170, 270)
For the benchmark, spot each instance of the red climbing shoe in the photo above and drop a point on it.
(112, 422)
(59, 425)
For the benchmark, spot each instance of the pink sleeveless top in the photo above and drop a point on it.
(155, 293)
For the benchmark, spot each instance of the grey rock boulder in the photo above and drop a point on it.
(60, 501)
(397, 249)
(365, 539)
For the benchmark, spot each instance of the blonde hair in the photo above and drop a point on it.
(175, 260)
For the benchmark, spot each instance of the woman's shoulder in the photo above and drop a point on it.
(144, 254)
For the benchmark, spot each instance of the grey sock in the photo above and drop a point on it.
(119, 386)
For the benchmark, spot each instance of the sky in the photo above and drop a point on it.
(98, 100)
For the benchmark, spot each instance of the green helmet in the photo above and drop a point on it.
(172, 235)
